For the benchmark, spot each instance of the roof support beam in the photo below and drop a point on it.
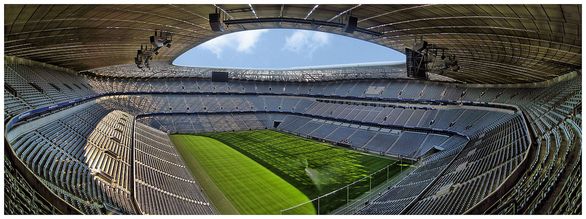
(253, 12)
(344, 12)
(310, 12)
(298, 21)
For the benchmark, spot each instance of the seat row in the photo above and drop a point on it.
(162, 181)
(81, 161)
(28, 87)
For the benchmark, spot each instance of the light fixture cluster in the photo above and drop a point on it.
(427, 57)
(146, 52)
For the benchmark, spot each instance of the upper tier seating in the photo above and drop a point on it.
(28, 87)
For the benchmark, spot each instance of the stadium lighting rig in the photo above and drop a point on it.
(159, 40)
(426, 57)
(143, 56)
(217, 20)
(163, 39)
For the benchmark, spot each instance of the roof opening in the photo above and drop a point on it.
(285, 48)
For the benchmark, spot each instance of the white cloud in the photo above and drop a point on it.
(305, 41)
(243, 42)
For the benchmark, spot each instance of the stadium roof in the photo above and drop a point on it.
(493, 43)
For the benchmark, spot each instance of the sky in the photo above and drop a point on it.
(284, 48)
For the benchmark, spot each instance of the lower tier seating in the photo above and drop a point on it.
(162, 181)
(83, 157)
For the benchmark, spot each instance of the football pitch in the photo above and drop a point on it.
(264, 171)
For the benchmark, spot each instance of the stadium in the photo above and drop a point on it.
(482, 117)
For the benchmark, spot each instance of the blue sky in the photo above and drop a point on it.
(284, 48)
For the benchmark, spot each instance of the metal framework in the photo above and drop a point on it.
(299, 21)
(494, 43)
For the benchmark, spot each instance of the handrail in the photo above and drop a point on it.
(133, 168)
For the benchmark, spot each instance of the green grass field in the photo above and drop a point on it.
(248, 186)
(263, 171)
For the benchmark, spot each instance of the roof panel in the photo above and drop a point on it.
(497, 43)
